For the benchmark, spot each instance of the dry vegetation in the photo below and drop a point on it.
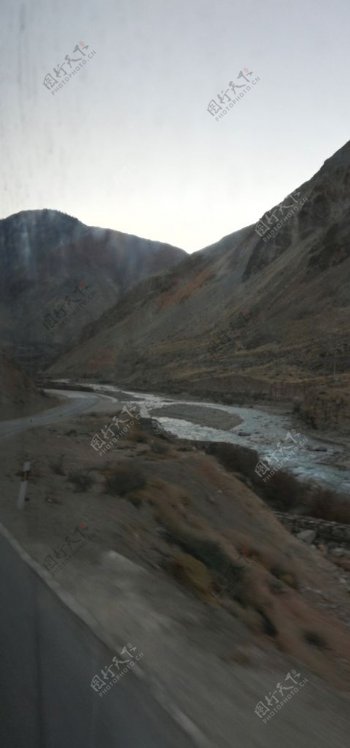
(218, 539)
(185, 290)
(283, 492)
(197, 518)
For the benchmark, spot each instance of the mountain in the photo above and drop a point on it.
(264, 313)
(18, 395)
(56, 274)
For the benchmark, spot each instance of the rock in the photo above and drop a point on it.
(111, 554)
(337, 552)
(307, 536)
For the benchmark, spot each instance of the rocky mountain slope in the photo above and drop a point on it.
(264, 313)
(18, 394)
(56, 274)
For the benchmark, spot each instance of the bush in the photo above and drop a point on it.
(123, 479)
(326, 506)
(81, 481)
(191, 572)
(135, 434)
(285, 576)
(57, 465)
(227, 569)
(234, 457)
(316, 640)
(283, 491)
(159, 447)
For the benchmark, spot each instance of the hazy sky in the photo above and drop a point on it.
(128, 142)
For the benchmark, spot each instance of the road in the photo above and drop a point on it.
(82, 403)
(48, 658)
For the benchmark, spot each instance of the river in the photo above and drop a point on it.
(275, 435)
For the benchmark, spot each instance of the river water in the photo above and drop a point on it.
(303, 454)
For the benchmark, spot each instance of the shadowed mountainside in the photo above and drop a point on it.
(56, 274)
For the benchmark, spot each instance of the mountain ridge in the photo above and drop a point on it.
(266, 316)
(47, 258)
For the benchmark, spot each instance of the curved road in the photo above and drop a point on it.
(79, 405)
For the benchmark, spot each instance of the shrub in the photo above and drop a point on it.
(135, 434)
(135, 500)
(159, 448)
(315, 639)
(326, 506)
(283, 491)
(226, 568)
(81, 481)
(123, 479)
(57, 465)
(285, 576)
(234, 457)
(191, 572)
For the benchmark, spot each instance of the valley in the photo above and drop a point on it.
(189, 418)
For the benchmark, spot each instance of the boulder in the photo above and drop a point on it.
(307, 536)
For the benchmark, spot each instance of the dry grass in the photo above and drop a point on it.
(269, 557)
(184, 291)
(192, 573)
(256, 581)
(223, 544)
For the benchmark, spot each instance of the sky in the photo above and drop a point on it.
(128, 142)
